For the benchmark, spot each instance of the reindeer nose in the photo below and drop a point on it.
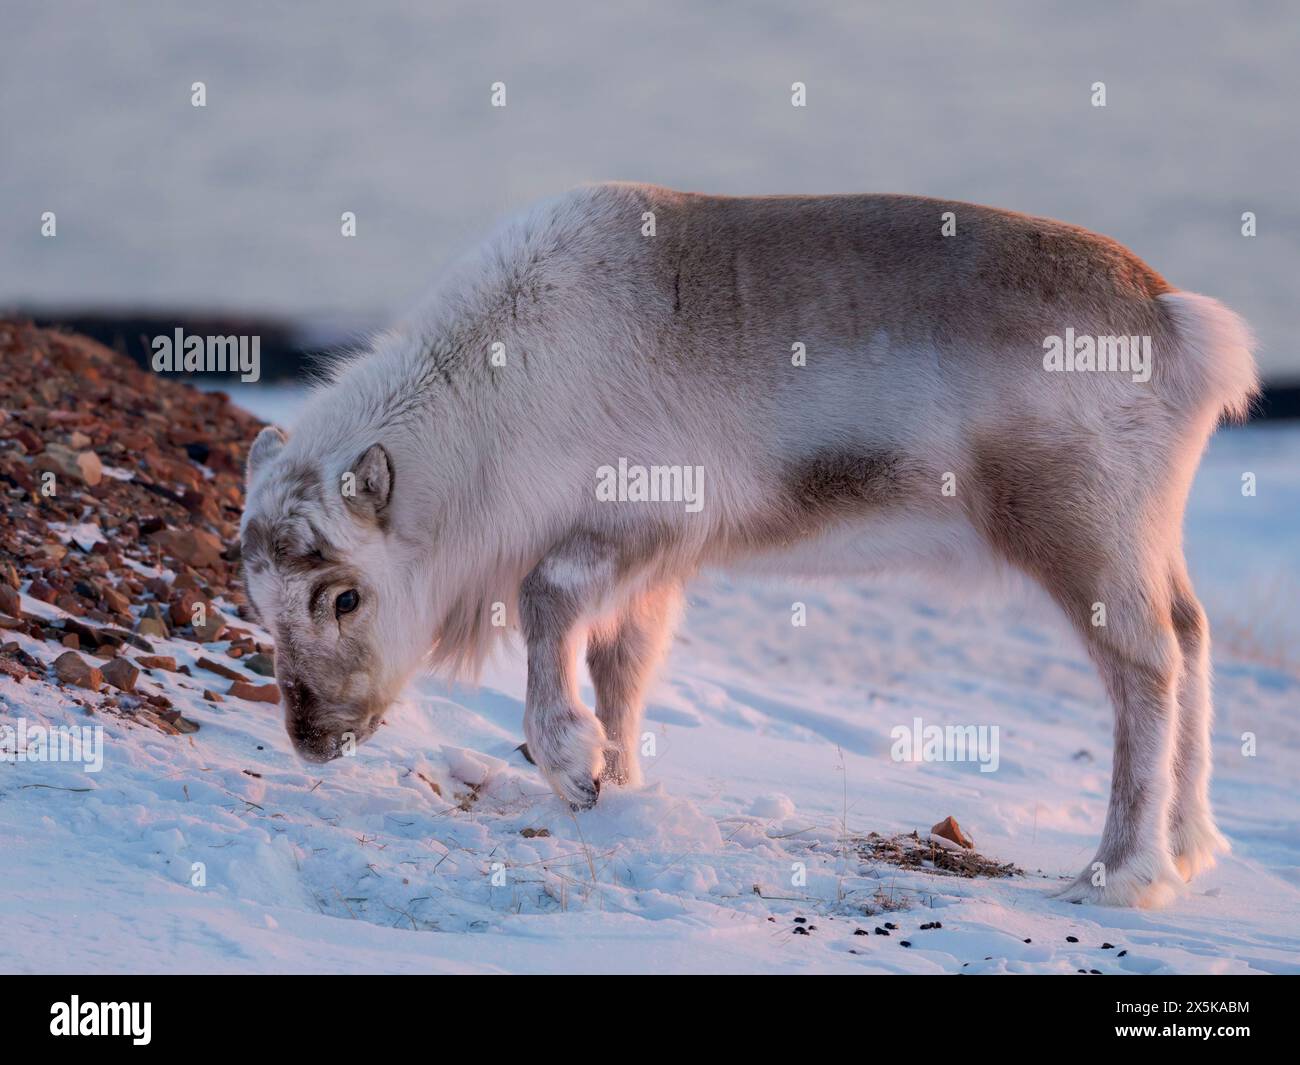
(300, 714)
(298, 696)
(301, 730)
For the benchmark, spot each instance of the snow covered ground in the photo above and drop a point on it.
(439, 849)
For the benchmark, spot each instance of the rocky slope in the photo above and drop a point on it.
(111, 476)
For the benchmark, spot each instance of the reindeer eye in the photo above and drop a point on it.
(346, 602)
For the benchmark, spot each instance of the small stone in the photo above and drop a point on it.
(196, 547)
(30, 441)
(258, 693)
(211, 628)
(219, 669)
(71, 668)
(200, 504)
(178, 722)
(138, 642)
(181, 610)
(198, 451)
(187, 582)
(83, 467)
(11, 602)
(152, 627)
(121, 673)
(950, 830)
(165, 662)
(70, 603)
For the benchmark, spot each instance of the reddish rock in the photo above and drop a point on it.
(219, 669)
(200, 504)
(197, 547)
(188, 581)
(29, 440)
(258, 693)
(71, 668)
(210, 629)
(120, 673)
(53, 551)
(116, 601)
(133, 440)
(10, 601)
(179, 723)
(181, 609)
(164, 662)
(69, 602)
(80, 467)
(950, 830)
(158, 588)
(152, 627)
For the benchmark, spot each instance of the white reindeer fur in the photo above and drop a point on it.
(494, 467)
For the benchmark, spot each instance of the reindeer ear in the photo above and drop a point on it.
(370, 486)
(266, 446)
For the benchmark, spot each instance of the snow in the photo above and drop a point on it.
(85, 535)
(438, 848)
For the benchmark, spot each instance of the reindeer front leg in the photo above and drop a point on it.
(564, 738)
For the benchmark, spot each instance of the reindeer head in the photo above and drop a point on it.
(338, 589)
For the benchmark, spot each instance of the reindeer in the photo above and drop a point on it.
(446, 480)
